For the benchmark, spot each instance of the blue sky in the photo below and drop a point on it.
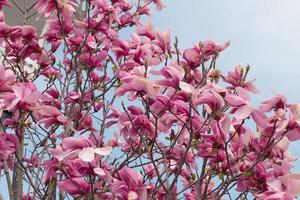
(263, 33)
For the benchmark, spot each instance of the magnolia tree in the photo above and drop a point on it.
(89, 114)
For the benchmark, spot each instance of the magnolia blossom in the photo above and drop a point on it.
(23, 96)
(7, 78)
(241, 103)
(51, 115)
(134, 83)
(9, 144)
(80, 147)
(129, 185)
(48, 7)
(74, 186)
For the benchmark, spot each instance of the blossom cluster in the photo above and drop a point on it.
(109, 117)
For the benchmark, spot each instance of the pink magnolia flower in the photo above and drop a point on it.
(178, 154)
(158, 3)
(285, 187)
(236, 79)
(293, 127)
(160, 104)
(121, 47)
(192, 56)
(115, 141)
(136, 83)
(172, 76)
(190, 195)
(92, 59)
(277, 102)
(48, 7)
(147, 31)
(23, 42)
(7, 79)
(24, 96)
(28, 32)
(211, 100)
(78, 147)
(98, 105)
(77, 168)
(267, 123)
(50, 115)
(33, 161)
(162, 194)
(240, 103)
(163, 41)
(134, 122)
(209, 48)
(188, 88)
(212, 145)
(8, 145)
(51, 73)
(291, 183)
(4, 33)
(51, 170)
(55, 33)
(294, 134)
(295, 111)
(54, 93)
(72, 97)
(150, 170)
(200, 52)
(74, 186)
(129, 185)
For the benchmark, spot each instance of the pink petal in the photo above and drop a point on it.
(234, 100)
(284, 143)
(103, 151)
(65, 155)
(294, 134)
(33, 97)
(243, 112)
(62, 119)
(132, 195)
(99, 171)
(260, 118)
(291, 181)
(74, 186)
(87, 154)
(186, 87)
